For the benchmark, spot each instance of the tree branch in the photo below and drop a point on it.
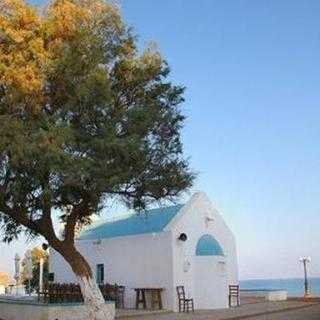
(41, 226)
(76, 213)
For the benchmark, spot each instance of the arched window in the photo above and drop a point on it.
(208, 246)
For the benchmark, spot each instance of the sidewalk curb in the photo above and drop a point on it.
(271, 312)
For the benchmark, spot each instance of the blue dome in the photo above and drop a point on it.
(208, 246)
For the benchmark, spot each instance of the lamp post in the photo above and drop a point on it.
(28, 269)
(17, 272)
(45, 247)
(305, 261)
(41, 275)
(17, 268)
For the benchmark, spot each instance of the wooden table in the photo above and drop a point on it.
(155, 297)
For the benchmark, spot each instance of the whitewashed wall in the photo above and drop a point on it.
(26, 310)
(132, 261)
(205, 273)
(211, 289)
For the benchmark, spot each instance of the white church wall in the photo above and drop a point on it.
(212, 284)
(132, 261)
(199, 217)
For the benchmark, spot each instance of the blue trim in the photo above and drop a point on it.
(150, 221)
(208, 246)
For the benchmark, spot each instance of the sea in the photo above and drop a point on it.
(294, 287)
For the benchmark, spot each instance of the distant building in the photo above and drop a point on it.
(147, 250)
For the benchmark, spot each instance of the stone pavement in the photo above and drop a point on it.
(311, 313)
(283, 310)
(245, 311)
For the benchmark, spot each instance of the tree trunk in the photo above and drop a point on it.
(93, 299)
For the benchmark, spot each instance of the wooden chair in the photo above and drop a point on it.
(120, 297)
(234, 293)
(75, 293)
(113, 293)
(184, 303)
(60, 293)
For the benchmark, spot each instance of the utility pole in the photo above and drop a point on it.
(305, 261)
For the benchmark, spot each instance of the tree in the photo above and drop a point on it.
(4, 279)
(37, 254)
(84, 117)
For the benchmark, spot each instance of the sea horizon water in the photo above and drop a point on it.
(294, 286)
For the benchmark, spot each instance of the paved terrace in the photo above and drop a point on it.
(245, 311)
(250, 309)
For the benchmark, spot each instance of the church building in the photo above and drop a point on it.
(186, 245)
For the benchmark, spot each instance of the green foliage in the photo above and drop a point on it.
(108, 126)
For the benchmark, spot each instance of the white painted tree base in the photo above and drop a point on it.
(106, 311)
(94, 301)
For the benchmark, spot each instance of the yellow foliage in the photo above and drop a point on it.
(22, 53)
(38, 253)
(33, 45)
(4, 279)
(29, 41)
(65, 18)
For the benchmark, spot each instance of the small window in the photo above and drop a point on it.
(100, 273)
(51, 277)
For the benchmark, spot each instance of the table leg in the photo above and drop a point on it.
(144, 301)
(137, 298)
(153, 300)
(159, 299)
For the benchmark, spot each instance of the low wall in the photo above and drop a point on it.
(279, 295)
(269, 295)
(20, 310)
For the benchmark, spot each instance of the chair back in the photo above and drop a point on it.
(233, 290)
(181, 293)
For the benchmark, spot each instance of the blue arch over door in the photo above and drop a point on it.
(208, 246)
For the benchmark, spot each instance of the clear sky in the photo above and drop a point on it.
(252, 72)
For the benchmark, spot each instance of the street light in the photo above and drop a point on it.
(17, 268)
(305, 261)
